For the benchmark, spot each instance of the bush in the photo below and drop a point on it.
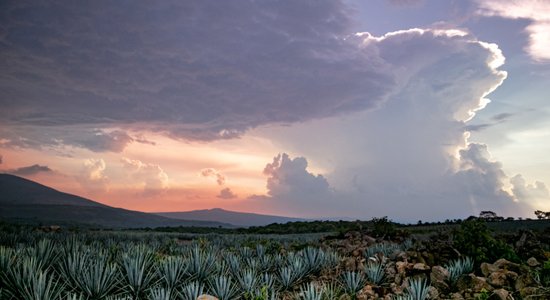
(475, 240)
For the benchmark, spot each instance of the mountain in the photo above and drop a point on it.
(236, 218)
(26, 201)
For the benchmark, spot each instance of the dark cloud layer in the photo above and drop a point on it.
(30, 170)
(194, 69)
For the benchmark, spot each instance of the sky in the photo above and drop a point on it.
(411, 109)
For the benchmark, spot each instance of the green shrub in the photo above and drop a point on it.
(475, 240)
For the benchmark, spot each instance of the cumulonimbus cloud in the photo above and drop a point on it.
(411, 157)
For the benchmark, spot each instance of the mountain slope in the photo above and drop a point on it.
(236, 218)
(26, 201)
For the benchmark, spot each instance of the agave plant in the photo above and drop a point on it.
(417, 288)
(311, 292)
(375, 271)
(200, 264)
(331, 291)
(223, 288)
(19, 276)
(99, 279)
(160, 294)
(192, 291)
(171, 271)
(44, 253)
(267, 280)
(72, 264)
(385, 248)
(314, 259)
(353, 282)
(233, 263)
(25, 280)
(248, 281)
(287, 278)
(458, 267)
(138, 271)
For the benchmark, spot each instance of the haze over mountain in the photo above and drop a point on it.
(240, 219)
(26, 201)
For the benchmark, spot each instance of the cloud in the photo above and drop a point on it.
(226, 193)
(536, 11)
(405, 2)
(96, 140)
(502, 117)
(211, 172)
(30, 170)
(291, 186)
(524, 191)
(93, 175)
(199, 70)
(151, 177)
(411, 158)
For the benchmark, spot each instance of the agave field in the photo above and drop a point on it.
(134, 266)
(153, 265)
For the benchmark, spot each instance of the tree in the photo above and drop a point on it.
(488, 215)
(542, 215)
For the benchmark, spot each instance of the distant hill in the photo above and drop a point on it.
(26, 201)
(225, 216)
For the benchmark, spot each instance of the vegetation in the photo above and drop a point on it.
(359, 260)
(474, 239)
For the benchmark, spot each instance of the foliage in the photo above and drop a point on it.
(463, 265)
(474, 239)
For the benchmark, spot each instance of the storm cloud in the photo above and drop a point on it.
(196, 70)
(410, 158)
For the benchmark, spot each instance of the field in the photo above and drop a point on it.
(371, 260)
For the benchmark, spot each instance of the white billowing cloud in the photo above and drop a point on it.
(537, 192)
(93, 175)
(151, 177)
(411, 159)
(227, 193)
(292, 188)
(536, 11)
(211, 172)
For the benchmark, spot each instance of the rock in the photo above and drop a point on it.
(401, 267)
(456, 296)
(369, 239)
(506, 265)
(533, 262)
(206, 297)
(487, 269)
(528, 291)
(402, 256)
(433, 293)
(439, 274)
(439, 277)
(421, 267)
(500, 294)
(523, 281)
(476, 284)
(502, 278)
(350, 264)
